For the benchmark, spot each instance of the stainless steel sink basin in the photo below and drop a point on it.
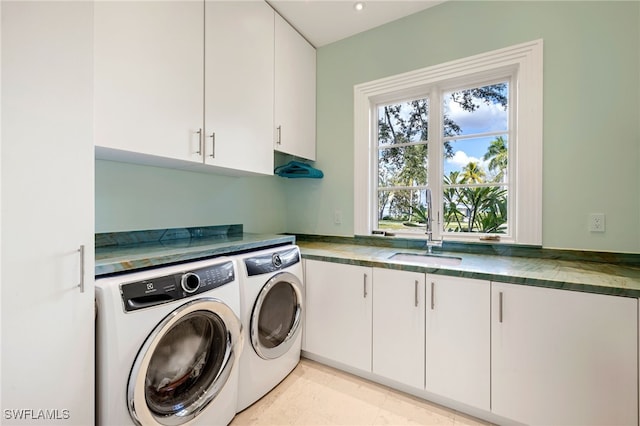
(427, 259)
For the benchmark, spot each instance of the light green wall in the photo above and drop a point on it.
(591, 108)
(132, 197)
(591, 134)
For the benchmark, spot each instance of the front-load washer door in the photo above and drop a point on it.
(184, 363)
(276, 316)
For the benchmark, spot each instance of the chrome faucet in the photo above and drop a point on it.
(430, 241)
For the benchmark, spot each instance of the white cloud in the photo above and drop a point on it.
(460, 159)
(487, 118)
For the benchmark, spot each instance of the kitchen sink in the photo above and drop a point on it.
(427, 259)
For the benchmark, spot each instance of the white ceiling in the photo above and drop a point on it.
(324, 21)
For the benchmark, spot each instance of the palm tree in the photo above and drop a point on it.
(473, 209)
(493, 217)
(473, 173)
(498, 157)
(452, 199)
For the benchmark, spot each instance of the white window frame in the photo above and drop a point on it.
(524, 62)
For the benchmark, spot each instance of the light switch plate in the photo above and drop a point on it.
(337, 216)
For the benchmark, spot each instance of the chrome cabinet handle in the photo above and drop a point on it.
(433, 302)
(199, 133)
(416, 294)
(213, 145)
(81, 285)
(500, 307)
(365, 286)
(279, 138)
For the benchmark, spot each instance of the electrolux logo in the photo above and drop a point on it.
(149, 287)
(36, 414)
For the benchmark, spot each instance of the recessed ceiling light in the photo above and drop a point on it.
(358, 6)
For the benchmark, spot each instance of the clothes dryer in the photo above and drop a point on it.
(168, 342)
(271, 306)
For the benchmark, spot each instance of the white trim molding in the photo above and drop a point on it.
(525, 62)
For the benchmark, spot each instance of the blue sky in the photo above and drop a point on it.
(487, 118)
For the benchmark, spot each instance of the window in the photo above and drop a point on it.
(472, 136)
(402, 165)
(469, 134)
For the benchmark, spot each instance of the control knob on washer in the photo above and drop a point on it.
(190, 282)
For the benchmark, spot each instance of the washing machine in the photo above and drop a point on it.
(168, 344)
(271, 309)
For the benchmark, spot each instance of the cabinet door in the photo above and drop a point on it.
(338, 315)
(398, 326)
(239, 85)
(47, 213)
(149, 78)
(458, 339)
(295, 92)
(563, 357)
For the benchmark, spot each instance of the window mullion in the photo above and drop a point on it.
(401, 188)
(435, 150)
(474, 135)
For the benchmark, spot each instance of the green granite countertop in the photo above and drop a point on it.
(136, 254)
(586, 276)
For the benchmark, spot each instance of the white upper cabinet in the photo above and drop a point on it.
(238, 110)
(563, 358)
(186, 84)
(149, 78)
(295, 92)
(47, 213)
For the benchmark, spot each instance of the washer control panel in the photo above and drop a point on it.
(168, 288)
(272, 262)
(190, 282)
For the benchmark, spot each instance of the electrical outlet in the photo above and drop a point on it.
(596, 222)
(337, 216)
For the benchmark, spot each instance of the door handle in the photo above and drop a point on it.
(433, 292)
(415, 292)
(199, 133)
(365, 286)
(213, 145)
(81, 285)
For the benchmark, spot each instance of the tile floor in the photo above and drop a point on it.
(314, 394)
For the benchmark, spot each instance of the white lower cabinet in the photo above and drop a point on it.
(525, 354)
(562, 357)
(398, 326)
(338, 312)
(458, 339)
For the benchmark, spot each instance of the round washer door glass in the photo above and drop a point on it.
(185, 363)
(184, 367)
(275, 321)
